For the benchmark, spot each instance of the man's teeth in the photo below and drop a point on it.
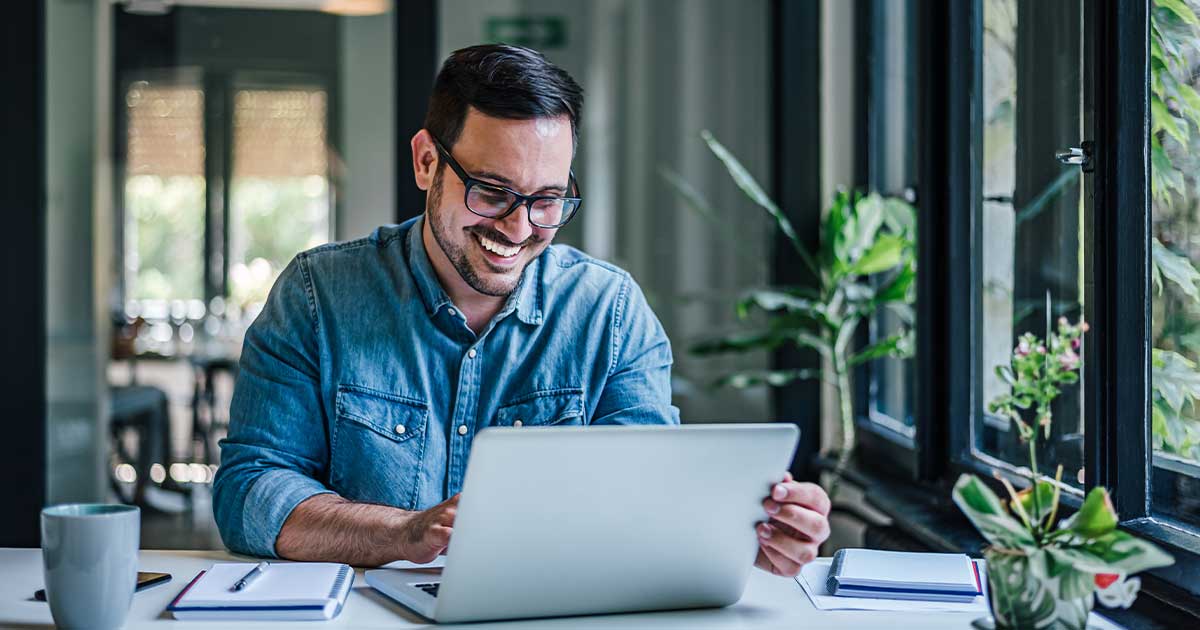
(497, 248)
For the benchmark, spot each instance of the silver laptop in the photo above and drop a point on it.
(585, 520)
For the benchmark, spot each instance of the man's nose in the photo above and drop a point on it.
(516, 225)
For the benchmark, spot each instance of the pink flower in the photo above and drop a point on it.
(1075, 343)
(1041, 349)
(1022, 348)
(1069, 360)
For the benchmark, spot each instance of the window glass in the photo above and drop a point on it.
(1034, 210)
(1175, 250)
(163, 196)
(280, 196)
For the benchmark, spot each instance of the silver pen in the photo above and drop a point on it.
(250, 577)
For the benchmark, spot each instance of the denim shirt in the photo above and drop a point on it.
(361, 378)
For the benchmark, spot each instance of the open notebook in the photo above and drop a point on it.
(286, 590)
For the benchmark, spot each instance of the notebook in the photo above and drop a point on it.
(934, 577)
(285, 591)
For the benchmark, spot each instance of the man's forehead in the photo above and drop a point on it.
(534, 153)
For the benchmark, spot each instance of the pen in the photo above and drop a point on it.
(250, 577)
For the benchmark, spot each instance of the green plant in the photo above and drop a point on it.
(1044, 570)
(866, 262)
(1175, 114)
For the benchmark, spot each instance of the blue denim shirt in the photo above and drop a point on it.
(360, 377)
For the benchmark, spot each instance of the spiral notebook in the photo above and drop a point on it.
(285, 591)
(934, 577)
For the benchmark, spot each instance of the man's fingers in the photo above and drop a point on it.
(761, 561)
(780, 564)
(787, 476)
(805, 521)
(795, 549)
(810, 495)
(439, 535)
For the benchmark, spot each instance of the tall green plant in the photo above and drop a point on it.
(866, 262)
(1175, 117)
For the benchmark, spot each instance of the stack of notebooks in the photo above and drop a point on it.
(285, 591)
(931, 577)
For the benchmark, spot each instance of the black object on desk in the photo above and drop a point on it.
(145, 580)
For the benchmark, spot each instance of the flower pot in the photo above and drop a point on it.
(1023, 595)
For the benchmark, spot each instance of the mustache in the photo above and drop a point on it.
(498, 236)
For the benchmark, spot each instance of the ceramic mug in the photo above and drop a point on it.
(90, 560)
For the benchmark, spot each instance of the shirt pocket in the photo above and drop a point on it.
(378, 446)
(553, 407)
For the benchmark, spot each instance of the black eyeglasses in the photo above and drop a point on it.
(496, 202)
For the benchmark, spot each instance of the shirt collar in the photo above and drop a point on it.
(526, 299)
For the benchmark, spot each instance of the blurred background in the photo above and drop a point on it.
(195, 146)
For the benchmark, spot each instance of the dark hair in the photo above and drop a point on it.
(502, 81)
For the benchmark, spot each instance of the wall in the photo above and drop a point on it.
(368, 160)
(77, 262)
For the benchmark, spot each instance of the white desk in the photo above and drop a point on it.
(769, 602)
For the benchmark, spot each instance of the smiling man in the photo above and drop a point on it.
(376, 362)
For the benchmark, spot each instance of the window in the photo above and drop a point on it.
(280, 195)
(1175, 251)
(1033, 209)
(892, 141)
(164, 195)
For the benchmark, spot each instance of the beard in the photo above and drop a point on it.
(496, 284)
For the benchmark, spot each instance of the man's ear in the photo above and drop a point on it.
(425, 159)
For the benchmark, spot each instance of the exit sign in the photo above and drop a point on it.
(540, 32)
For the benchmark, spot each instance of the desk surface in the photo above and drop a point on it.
(769, 602)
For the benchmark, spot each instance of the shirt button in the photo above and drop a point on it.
(452, 312)
(399, 429)
(462, 429)
(471, 353)
(517, 423)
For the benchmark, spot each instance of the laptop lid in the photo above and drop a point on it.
(581, 520)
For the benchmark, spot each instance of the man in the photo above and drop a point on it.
(375, 362)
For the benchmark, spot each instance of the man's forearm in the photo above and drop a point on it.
(328, 528)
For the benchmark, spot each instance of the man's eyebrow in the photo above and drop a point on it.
(500, 179)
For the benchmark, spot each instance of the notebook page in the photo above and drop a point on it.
(874, 567)
(282, 584)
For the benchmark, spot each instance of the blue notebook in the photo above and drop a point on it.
(934, 577)
(285, 591)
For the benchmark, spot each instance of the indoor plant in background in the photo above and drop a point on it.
(1043, 571)
(866, 262)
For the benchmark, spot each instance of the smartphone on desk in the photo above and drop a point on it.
(145, 580)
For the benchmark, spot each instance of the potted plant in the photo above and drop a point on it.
(1044, 572)
(866, 263)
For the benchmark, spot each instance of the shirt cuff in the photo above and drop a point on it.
(268, 504)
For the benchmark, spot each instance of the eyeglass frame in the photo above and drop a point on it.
(521, 199)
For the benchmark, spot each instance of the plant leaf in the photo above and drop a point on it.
(747, 183)
(1096, 517)
(884, 254)
(897, 346)
(898, 289)
(1175, 268)
(740, 342)
(985, 511)
(1179, 8)
(772, 301)
(773, 378)
(1174, 378)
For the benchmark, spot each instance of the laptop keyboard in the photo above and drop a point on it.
(431, 588)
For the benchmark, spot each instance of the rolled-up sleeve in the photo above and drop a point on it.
(638, 387)
(276, 454)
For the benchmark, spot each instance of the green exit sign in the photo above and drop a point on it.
(539, 32)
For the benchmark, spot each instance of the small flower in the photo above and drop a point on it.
(1069, 360)
(1041, 349)
(1075, 343)
(1022, 348)
(1083, 326)
(1063, 323)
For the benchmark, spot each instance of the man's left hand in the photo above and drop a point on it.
(798, 524)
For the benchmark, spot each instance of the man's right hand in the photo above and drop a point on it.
(425, 535)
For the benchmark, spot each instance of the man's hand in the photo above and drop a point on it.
(425, 535)
(799, 523)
